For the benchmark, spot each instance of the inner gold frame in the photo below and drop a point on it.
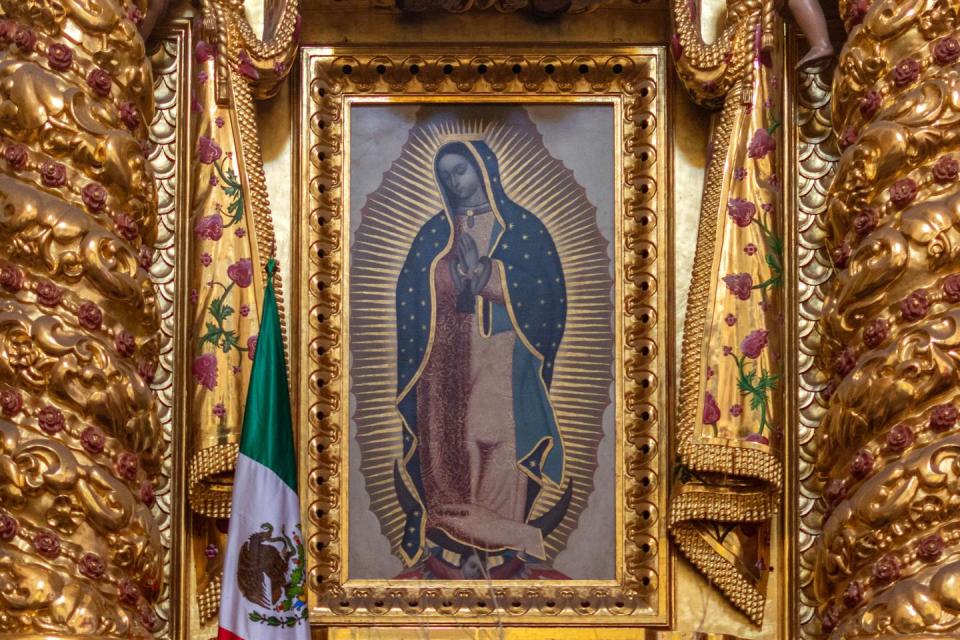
(631, 79)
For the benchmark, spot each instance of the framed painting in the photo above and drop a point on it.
(482, 304)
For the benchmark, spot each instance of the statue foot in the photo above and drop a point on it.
(816, 54)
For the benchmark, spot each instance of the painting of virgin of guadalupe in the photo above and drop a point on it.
(481, 309)
(482, 354)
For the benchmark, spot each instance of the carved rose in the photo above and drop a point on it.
(208, 151)
(835, 491)
(7, 30)
(946, 51)
(100, 81)
(53, 174)
(739, 284)
(857, 11)
(204, 370)
(127, 227)
(862, 464)
(241, 272)
(8, 527)
(129, 593)
(865, 221)
(25, 39)
(711, 410)
(148, 618)
(16, 155)
(135, 16)
(130, 115)
(841, 255)
(48, 294)
(754, 344)
(903, 191)
(830, 618)
(845, 362)
(741, 211)
(147, 495)
(147, 370)
(60, 56)
(870, 103)
(848, 138)
(900, 437)
(93, 440)
(11, 402)
(94, 196)
(204, 51)
(127, 465)
(761, 144)
(125, 343)
(210, 227)
(90, 316)
(951, 288)
(853, 594)
(145, 258)
(51, 419)
(91, 565)
(886, 569)
(251, 346)
(246, 68)
(943, 417)
(47, 543)
(906, 71)
(946, 169)
(915, 306)
(11, 278)
(930, 548)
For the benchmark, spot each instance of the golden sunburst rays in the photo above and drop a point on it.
(391, 217)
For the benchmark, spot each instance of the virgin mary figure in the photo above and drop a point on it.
(481, 308)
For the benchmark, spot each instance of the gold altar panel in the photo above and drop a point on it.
(328, 78)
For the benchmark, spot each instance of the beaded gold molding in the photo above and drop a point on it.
(633, 78)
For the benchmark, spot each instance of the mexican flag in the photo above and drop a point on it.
(263, 595)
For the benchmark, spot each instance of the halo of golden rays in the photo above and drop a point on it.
(391, 217)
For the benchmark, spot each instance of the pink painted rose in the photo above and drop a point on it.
(741, 211)
(11, 402)
(51, 419)
(946, 169)
(870, 103)
(210, 227)
(857, 11)
(125, 343)
(146, 257)
(94, 196)
(147, 370)
(244, 309)
(148, 618)
(865, 221)
(750, 249)
(47, 543)
(205, 51)
(930, 548)
(8, 527)
(127, 227)
(915, 306)
(946, 50)
(202, 77)
(206, 259)
(835, 491)
(204, 370)
(59, 56)
(11, 278)
(903, 191)
(841, 255)
(251, 346)
(8, 29)
(754, 344)
(736, 410)
(951, 288)
(875, 333)
(730, 319)
(148, 495)
(761, 145)
(219, 410)
(129, 593)
(886, 569)
(211, 551)
(853, 594)
(127, 465)
(711, 410)
(246, 69)
(208, 151)
(219, 121)
(239, 232)
(943, 417)
(241, 272)
(848, 137)
(93, 440)
(829, 618)
(89, 316)
(48, 294)
(862, 464)
(135, 16)
(906, 71)
(739, 284)
(194, 296)
(100, 81)
(130, 115)
(25, 39)
(92, 566)
(900, 437)
(845, 362)
(53, 174)
(16, 155)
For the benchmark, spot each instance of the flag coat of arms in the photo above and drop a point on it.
(263, 595)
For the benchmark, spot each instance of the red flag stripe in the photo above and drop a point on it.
(223, 634)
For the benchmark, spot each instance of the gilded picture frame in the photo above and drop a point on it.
(630, 82)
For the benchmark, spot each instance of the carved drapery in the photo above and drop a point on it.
(887, 449)
(81, 447)
(231, 238)
(728, 435)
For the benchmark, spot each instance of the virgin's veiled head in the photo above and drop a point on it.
(459, 176)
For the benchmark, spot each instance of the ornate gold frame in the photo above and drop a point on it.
(633, 79)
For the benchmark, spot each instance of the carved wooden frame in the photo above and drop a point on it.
(633, 79)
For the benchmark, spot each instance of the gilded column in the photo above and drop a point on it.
(888, 450)
(80, 443)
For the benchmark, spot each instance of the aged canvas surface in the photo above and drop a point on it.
(481, 338)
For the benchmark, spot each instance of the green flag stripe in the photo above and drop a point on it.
(267, 426)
